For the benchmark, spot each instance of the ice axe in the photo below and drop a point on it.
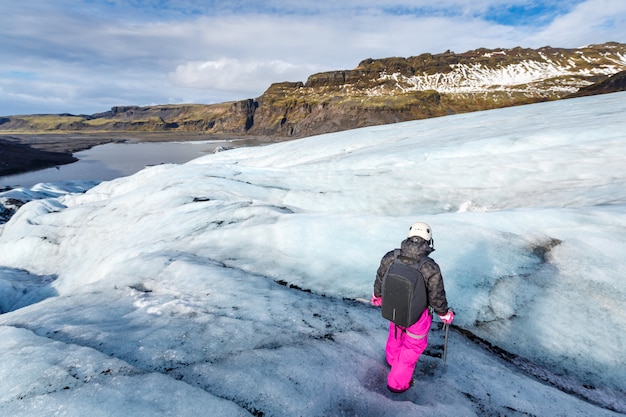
(445, 342)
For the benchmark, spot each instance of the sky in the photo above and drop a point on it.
(85, 56)
(239, 282)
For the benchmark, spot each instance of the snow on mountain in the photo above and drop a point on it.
(478, 78)
(538, 73)
(230, 285)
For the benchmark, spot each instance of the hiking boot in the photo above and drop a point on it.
(399, 391)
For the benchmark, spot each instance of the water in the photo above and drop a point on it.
(113, 160)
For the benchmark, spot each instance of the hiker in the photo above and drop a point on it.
(406, 344)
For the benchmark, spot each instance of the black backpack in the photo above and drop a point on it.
(404, 291)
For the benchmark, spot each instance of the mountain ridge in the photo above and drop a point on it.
(377, 91)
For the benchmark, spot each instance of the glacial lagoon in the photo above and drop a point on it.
(113, 160)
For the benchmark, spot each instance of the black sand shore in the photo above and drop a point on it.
(16, 158)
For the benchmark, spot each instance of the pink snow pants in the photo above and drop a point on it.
(404, 349)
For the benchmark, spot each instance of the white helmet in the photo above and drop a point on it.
(422, 230)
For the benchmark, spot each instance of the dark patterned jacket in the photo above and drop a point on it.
(417, 248)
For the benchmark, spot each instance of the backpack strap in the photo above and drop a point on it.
(416, 263)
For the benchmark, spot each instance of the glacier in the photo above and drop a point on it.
(236, 283)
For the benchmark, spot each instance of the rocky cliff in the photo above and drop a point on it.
(377, 91)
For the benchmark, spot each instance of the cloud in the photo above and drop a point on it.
(232, 74)
(592, 21)
(99, 53)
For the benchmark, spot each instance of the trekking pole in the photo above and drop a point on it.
(445, 343)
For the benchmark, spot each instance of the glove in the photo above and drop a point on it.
(448, 317)
(377, 301)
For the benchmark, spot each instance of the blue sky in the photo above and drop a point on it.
(85, 56)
